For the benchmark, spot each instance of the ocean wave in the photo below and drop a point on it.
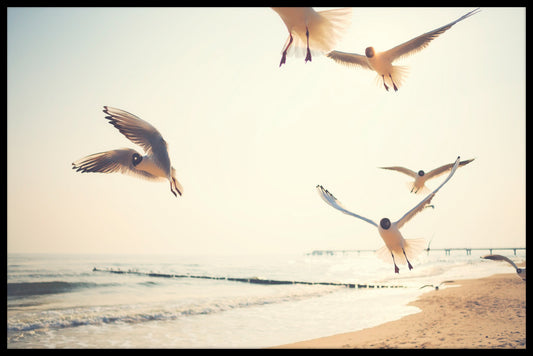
(25, 289)
(128, 314)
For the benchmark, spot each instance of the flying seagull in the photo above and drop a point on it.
(153, 165)
(520, 271)
(382, 62)
(395, 245)
(421, 177)
(432, 237)
(312, 30)
(436, 286)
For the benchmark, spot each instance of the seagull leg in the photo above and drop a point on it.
(284, 54)
(386, 87)
(172, 190)
(396, 269)
(308, 57)
(176, 185)
(408, 263)
(394, 85)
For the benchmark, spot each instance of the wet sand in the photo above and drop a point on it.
(477, 313)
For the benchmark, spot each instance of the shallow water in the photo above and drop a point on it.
(58, 301)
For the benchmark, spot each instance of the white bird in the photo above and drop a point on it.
(398, 247)
(520, 271)
(422, 177)
(313, 31)
(154, 165)
(382, 62)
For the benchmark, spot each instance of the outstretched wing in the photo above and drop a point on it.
(500, 258)
(418, 43)
(332, 201)
(114, 161)
(404, 170)
(349, 59)
(420, 206)
(141, 133)
(441, 170)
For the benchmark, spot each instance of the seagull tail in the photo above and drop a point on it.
(326, 30)
(422, 191)
(412, 248)
(384, 254)
(399, 74)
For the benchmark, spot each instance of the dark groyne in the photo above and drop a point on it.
(242, 280)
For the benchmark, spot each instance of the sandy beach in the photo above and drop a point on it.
(477, 313)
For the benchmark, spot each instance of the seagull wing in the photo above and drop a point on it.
(438, 171)
(114, 161)
(404, 170)
(444, 282)
(349, 59)
(426, 285)
(418, 43)
(141, 133)
(500, 258)
(420, 206)
(331, 200)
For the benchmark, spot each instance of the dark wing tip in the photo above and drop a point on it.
(475, 11)
(323, 190)
(78, 168)
(465, 162)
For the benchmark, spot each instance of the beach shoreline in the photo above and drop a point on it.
(488, 312)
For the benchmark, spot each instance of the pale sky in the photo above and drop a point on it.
(250, 140)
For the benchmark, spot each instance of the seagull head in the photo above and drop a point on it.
(421, 173)
(136, 159)
(369, 51)
(384, 223)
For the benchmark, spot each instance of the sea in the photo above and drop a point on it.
(205, 301)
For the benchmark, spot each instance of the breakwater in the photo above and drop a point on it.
(255, 280)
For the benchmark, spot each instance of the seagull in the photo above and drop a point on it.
(398, 247)
(382, 62)
(154, 165)
(316, 31)
(432, 237)
(421, 177)
(436, 286)
(520, 271)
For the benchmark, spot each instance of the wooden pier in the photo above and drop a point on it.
(447, 251)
